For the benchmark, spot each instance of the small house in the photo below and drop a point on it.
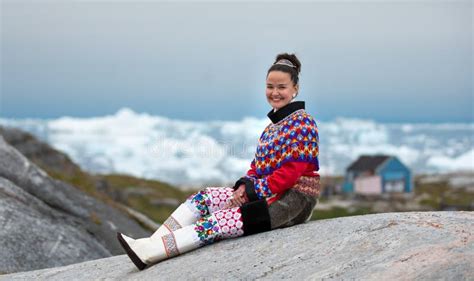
(379, 174)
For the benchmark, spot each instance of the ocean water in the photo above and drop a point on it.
(190, 153)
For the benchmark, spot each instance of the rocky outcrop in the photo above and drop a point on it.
(45, 222)
(39, 152)
(152, 198)
(390, 246)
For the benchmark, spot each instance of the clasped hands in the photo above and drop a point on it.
(238, 198)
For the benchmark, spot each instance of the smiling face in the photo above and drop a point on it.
(280, 89)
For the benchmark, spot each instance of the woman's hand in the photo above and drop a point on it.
(238, 198)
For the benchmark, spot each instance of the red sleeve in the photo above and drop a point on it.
(286, 176)
(252, 172)
(279, 181)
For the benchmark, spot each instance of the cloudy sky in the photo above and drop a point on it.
(390, 61)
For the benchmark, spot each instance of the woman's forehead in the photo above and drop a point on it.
(278, 77)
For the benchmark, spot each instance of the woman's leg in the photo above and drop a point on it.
(292, 208)
(221, 224)
(197, 205)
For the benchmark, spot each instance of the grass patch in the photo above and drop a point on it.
(156, 213)
(159, 189)
(336, 212)
(120, 183)
(441, 194)
(79, 179)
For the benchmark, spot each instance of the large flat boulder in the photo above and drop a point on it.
(389, 246)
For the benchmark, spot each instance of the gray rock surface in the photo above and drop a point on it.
(38, 152)
(45, 222)
(390, 246)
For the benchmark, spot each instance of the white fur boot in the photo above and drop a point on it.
(147, 251)
(184, 215)
(142, 251)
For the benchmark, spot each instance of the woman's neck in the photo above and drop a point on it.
(286, 110)
(275, 110)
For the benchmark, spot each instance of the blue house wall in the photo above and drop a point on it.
(348, 187)
(393, 169)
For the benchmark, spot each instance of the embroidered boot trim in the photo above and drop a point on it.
(169, 242)
(172, 224)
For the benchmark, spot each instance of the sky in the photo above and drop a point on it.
(388, 61)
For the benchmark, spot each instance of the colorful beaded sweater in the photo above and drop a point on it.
(287, 150)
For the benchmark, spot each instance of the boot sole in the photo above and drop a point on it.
(131, 254)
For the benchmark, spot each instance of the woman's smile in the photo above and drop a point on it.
(280, 89)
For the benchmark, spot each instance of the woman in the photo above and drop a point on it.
(279, 190)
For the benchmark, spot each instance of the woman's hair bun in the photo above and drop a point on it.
(291, 57)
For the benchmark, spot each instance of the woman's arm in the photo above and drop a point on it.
(279, 181)
(252, 172)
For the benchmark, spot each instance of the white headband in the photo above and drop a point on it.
(285, 62)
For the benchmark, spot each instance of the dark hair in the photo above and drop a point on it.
(294, 72)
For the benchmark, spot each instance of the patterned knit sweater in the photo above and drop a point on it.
(286, 156)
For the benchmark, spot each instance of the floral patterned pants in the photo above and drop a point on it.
(214, 221)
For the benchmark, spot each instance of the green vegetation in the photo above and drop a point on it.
(154, 190)
(336, 212)
(158, 189)
(77, 178)
(120, 184)
(437, 193)
(324, 200)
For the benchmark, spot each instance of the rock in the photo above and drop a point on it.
(38, 151)
(46, 223)
(389, 246)
(34, 235)
(150, 197)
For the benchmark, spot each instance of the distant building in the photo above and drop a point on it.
(379, 174)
